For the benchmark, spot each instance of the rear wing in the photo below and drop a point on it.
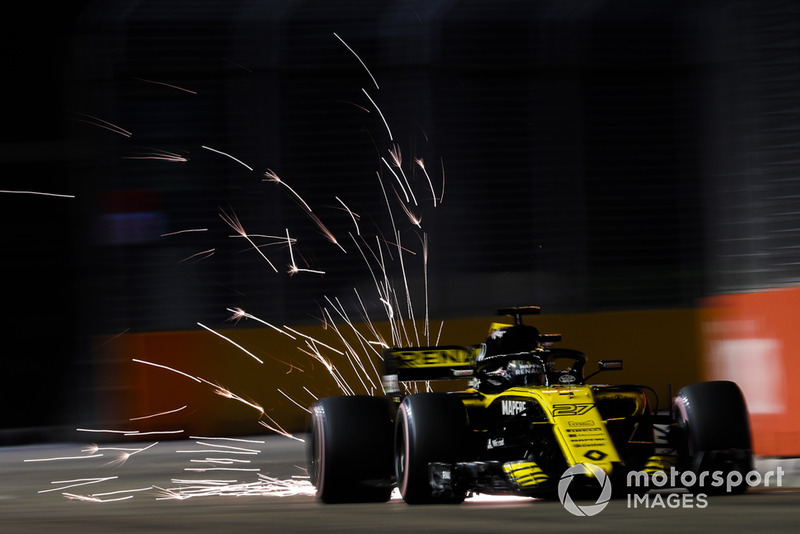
(428, 363)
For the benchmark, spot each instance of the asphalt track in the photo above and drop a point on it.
(46, 488)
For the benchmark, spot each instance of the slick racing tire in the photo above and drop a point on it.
(350, 450)
(430, 427)
(713, 430)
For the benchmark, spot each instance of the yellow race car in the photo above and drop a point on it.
(527, 416)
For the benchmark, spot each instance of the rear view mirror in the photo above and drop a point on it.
(605, 365)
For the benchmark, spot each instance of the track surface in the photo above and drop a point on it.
(27, 507)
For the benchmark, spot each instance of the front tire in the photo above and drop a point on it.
(713, 430)
(430, 427)
(350, 450)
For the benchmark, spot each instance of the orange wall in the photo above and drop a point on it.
(657, 346)
(753, 339)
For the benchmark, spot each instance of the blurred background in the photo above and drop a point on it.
(605, 160)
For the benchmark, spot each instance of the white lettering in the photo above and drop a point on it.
(512, 407)
(730, 482)
(753, 481)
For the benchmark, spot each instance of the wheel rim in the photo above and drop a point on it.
(401, 452)
(318, 453)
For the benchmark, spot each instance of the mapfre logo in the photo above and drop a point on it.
(583, 470)
(512, 407)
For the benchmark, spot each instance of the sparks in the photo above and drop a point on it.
(203, 254)
(229, 340)
(38, 193)
(275, 427)
(421, 164)
(233, 221)
(188, 230)
(60, 458)
(239, 440)
(239, 313)
(293, 268)
(391, 137)
(271, 176)
(168, 369)
(358, 58)
(397, 159)
(159, 155)
(352, 215)
(158, 414)
(167, 85)
(294, 401)
(228, 394)
(240, 162)
(106, 125)
(77, 482)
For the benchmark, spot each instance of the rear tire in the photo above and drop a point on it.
(713, 431)
(350, 450)
(431, 427)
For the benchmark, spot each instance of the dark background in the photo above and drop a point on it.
(598, 156)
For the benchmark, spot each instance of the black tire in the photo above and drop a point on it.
(713, 429)
(430, 427)
(350, 452)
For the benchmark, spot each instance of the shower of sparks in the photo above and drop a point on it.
(358, 58)
(357, 344)
(264, 486)
(240, 162)
(229, 340)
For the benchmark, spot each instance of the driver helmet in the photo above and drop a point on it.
(512, 339)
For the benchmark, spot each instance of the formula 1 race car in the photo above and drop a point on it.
(527, 415)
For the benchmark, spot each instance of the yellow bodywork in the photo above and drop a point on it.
(572, 412)
(525, 474)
